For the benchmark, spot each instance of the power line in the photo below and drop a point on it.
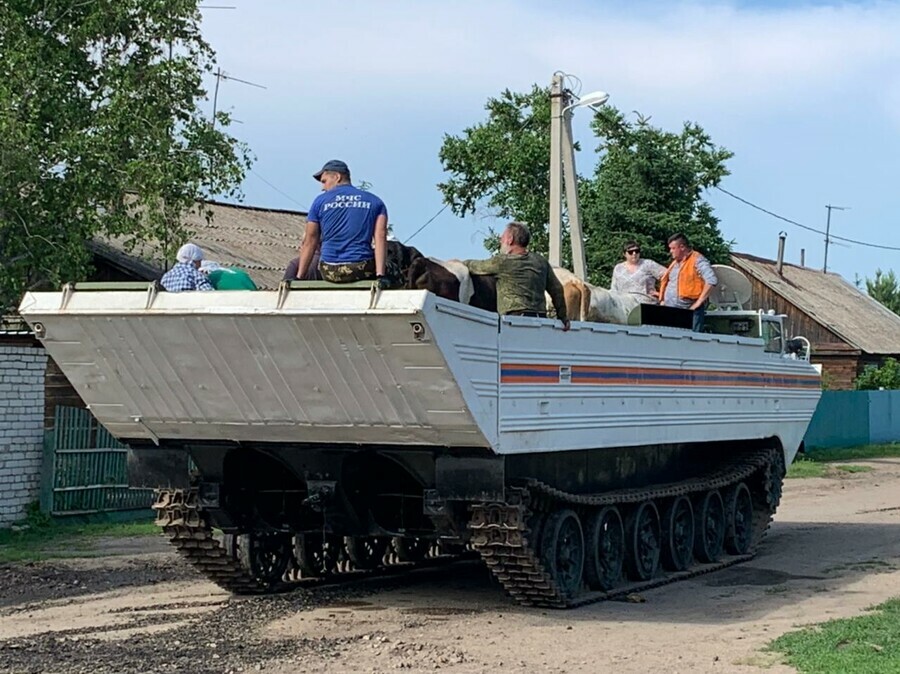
(281, 192)
(806, 227)
(288, 196)
(430, 220)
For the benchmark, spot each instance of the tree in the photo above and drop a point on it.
(647, 183)
(504, 164)
(885, 289)
(647, 186)
(101, 132)
(884, 376)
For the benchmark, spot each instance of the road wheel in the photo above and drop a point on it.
(643, 537)
(710, 535)
(562, 550)
(317, 554)
(366, 552)
(411, 549)
(605, 549)
(739, 519)
(265, 556)
(678, 535)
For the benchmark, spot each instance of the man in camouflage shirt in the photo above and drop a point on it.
(522, 277)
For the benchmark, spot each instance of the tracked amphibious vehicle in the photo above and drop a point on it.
(330, 430)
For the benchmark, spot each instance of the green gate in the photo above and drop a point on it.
(85, 468)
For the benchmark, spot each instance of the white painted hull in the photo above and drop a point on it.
(325, 368)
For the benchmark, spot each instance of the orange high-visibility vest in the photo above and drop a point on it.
(690, 283)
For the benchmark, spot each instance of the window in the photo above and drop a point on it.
(772, 334)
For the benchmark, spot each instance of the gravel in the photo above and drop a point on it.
(224, 637)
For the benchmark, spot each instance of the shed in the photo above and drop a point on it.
(846, 328)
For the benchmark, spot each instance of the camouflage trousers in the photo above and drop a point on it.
(348, 272)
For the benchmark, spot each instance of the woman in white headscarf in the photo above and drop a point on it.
(185, 275)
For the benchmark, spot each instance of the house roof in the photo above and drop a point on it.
(260, 240)
(831, 301)
(13, 324)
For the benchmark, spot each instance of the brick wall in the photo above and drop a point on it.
(21, 428)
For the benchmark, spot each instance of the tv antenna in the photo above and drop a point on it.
(222, 75)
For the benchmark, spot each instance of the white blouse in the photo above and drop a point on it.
(641, 282)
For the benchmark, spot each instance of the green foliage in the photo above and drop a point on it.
(503, 164)
(100, 132)
(867, 644)
(647, 183)
(886, 376)
(35, 518)
(885, 288)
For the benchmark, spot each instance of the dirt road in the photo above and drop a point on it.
(833, 551)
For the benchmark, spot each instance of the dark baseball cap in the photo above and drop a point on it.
(335, 165)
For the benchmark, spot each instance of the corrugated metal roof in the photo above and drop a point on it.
(11, 324)
(830, 300)
(260, 240)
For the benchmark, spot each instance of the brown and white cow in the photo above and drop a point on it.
(577, 293)
(451, 279)
(586, 302)
(608, 306)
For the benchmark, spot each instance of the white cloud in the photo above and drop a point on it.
(806, 95)
(721, 54)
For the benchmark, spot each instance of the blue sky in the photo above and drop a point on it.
(807, 96)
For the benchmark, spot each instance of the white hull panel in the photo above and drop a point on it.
(326, 368)
(629, 386)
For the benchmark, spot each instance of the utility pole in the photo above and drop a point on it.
(563, 174)
(558, 101)
(828, 231)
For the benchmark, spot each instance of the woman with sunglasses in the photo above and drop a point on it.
(637, 276)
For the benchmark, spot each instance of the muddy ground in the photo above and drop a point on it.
(833, 551)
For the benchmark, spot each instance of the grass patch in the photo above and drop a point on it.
(867, 644)
(854, 453)
(40, 537)
(822, 462)
(854, 469)
(803, 467)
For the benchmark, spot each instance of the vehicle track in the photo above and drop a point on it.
(505, 535)
(509, 545)
(181, 519)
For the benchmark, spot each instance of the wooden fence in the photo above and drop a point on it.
(852, 418)
(85, 468)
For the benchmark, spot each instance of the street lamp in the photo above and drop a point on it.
(562, 166)
(592, 100)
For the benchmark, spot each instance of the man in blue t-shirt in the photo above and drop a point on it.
(350, 224)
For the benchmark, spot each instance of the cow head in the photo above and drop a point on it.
(399, 259)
